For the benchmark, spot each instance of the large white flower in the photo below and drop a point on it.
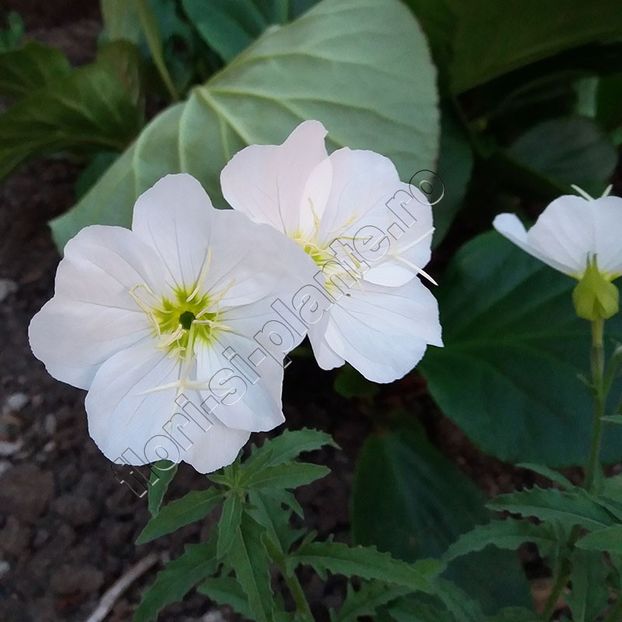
(368, 236)
(581, 237)
(158, 323)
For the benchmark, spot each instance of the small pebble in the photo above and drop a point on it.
(7, 287)
(4, 567)
(15, 402)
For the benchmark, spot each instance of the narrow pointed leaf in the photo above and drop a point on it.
(192, 507)
(162, 474)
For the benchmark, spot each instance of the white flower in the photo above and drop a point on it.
(581, 237)
(157, 323)
(570, 232)
(368, 235)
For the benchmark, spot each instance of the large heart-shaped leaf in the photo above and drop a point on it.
(362, 67)
(513, 350)
(411, 501)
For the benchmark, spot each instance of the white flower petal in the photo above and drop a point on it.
(325, 356)
(175, 217)
(564, 234)
(217, 448)
(267, 182)
(608, 234)
(383, 331)
(92, 315)
(127, 418)
(509, 226)
(249, 261)
(248, 397)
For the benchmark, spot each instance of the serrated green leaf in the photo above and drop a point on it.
(29, 68)
(550, 504)
(289, 475)
(350, 383)
(550, 474)
(162, 474)
(177, 579)
(229, 523)
(608, 539)
(226, 591)
(589, 595)
(287, 447)
(86, 111)
(502, 355)
(269, 513)
(250, 560)
(320, 66)
(504, 534)
(192, 507)
(366, 563)
(366, 601)
(411, 610)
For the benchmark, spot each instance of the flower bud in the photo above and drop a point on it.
(595, 297)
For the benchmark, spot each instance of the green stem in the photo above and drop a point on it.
(293, 584)
(598, 379)
(593, 462)
(152, 34)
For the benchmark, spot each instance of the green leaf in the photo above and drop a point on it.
(565, 151)
(514, 614)
(162, 474)
(229, 26)
(226, 591)
(350, 383)
(121, 22)
(613, 419)
(287, 447)
(589, 595)
(151, 31)
(289, 475)
(269, 513)
(454, 170)
(123, 59)
(507, 534)
(550, 474)
(608, 539)
(229, 524)
(493, 38)
(366, 563)
(11, 36)
(516, 339)
(192, 507)
(550, 504)
(86, 111)
(176, 580)
(250, 560)
(93, 171)
(320, 66)
(409, 500)
(411, 610)
(366, 601)
(30, 67)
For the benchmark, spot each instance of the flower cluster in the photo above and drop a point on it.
(178, 327)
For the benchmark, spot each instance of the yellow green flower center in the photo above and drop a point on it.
(184, 316)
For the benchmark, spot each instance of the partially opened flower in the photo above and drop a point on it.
(581, 237)
(158, 322)
(368, 237)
